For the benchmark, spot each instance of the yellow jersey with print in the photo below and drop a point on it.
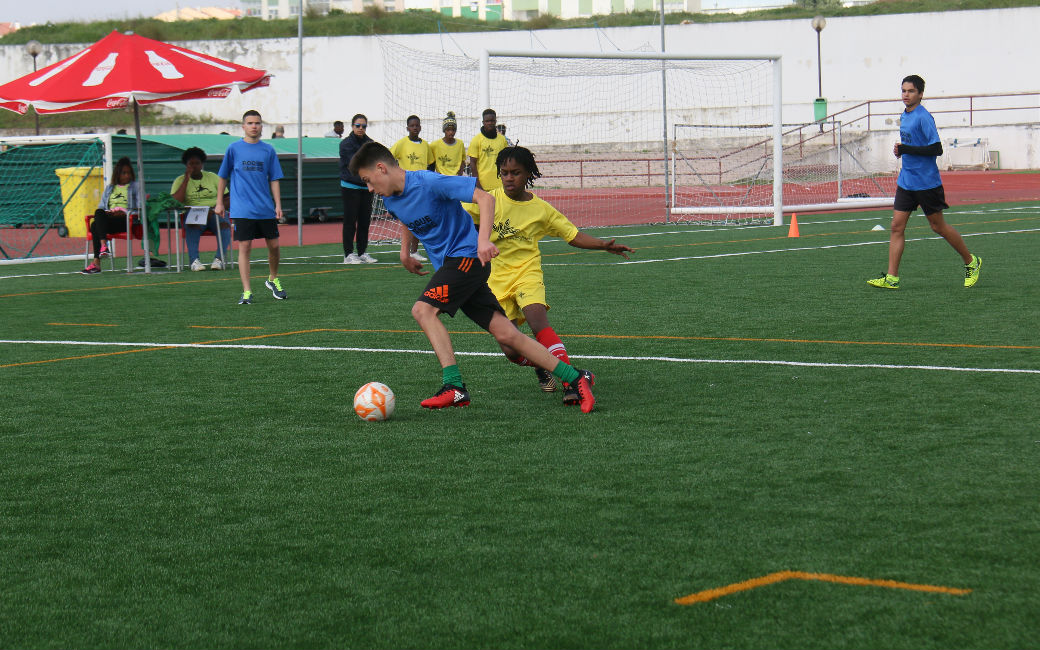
(412, 156)
(485, 150)
(119, 198)
(200, 192)
(518, 227)
(448, 156)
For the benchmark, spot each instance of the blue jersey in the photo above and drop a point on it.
(250, 168)
(430, 206)
(917, 128)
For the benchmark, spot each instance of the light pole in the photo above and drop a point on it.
(33, 48)
(820, 105)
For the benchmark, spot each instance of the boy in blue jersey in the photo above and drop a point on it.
(429, 206)
(252, 168)
(919, 185)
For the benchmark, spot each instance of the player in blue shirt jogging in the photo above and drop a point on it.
(430, 206)
(919, 184)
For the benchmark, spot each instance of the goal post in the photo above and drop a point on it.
(689, 84)
(43, 179)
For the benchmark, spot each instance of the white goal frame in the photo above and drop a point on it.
(777, 115)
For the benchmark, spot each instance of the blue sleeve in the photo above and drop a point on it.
(929, 133)
(274, 166)
(226, 165)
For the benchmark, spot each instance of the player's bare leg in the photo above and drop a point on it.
(245, 249)
(428, 318)
(897, 241)
(950, 234)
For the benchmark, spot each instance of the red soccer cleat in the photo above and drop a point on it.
(447, 396)
(585, 381)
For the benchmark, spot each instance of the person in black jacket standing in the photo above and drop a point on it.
(357, 200)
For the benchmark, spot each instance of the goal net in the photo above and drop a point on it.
(728, 170)
(46, 179)
(598, 124)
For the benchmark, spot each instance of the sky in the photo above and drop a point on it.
(27, 12)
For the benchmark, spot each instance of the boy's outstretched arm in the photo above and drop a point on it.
(485, 249)
(582, 240)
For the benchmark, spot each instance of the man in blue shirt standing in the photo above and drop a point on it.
(430, 207)
(919, 185)
(252, 168)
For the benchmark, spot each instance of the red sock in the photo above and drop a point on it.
(520, 361)
(553, 344)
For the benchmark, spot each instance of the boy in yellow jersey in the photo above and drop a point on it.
(448, 153)
(414, 154)
(521, 220)
(483, 152)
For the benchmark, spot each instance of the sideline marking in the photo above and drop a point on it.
(781, 576)
(226, 327)
(227, 345)
(85, 324)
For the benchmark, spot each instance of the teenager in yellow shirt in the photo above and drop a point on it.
(483, 152)
(521, 221)
(449, 153)
(413, 154)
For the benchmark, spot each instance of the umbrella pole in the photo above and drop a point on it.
(141, 195)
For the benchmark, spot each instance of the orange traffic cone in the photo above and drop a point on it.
(793, 230)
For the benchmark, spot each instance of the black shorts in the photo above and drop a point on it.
(250, 229)
(461, 283)
(931, 201)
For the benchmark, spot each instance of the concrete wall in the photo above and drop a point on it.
(964, 52)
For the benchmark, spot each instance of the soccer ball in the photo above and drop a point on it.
(374, 402)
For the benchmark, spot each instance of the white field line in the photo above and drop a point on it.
(315, 348)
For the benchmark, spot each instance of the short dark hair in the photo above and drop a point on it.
(916, 80)
(359, 116)
(413, 117)
(368, 155)
(338, 123)
(488, 111)
(251, 112)
(193, 152)
(523, 157)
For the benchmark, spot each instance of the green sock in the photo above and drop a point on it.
(566, 373)
(246, 294)
(452, 376)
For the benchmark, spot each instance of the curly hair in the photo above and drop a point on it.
(521, 156)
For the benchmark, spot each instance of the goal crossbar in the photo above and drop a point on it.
(777, 100)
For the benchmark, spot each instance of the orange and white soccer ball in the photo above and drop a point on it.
(374, 402)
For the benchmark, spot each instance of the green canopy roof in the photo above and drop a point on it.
(215, 144)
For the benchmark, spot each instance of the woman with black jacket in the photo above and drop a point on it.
(357, 200)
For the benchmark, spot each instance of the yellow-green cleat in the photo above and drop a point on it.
(886, 281)
(971, 271)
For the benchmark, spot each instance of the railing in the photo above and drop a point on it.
(976, 104)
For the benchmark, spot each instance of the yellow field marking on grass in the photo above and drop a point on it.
(227, 327)
(193, 281)
(149, 349)
(85, 356)
(781, 576)
(85, 324)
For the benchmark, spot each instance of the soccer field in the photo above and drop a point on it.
(780, 457)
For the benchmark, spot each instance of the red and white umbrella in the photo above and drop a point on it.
(122, 68)
(127, 69)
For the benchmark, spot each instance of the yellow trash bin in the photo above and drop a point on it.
(84, 200)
